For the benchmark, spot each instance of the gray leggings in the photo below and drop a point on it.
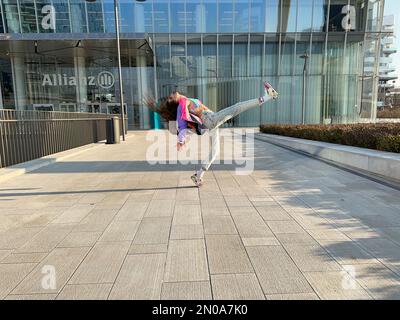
(213, 120)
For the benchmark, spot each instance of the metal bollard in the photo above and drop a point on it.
(113, 131)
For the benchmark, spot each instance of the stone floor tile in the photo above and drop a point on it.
(236, 287)
(140, 278)
(276, 271)
(226, 254)
(186, 261)
(85, 292)
(197, 290)
(102, 264)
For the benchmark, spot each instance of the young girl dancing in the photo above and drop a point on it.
(192, 116)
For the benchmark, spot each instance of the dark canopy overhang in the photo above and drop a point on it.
(67, 45)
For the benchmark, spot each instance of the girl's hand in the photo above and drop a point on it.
(179, 146)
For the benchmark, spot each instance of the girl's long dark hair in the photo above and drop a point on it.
(166, 108)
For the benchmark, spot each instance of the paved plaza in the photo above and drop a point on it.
(103, 224)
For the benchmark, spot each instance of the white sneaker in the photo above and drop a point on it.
(270, 91)
(196, 180)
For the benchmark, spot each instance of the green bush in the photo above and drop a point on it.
(384, 137)
(386, 143)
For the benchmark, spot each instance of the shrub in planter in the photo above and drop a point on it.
(389, 143)
(383, 137)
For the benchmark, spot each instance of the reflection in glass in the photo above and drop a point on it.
(43, 13)
(144, 16)
(11, 15)
(161, 16)
(240, 61)
(271, 58)
(178, 60)
(225, 16)
(305, 14)
(210, 59)
(195, 16)
(288, 16)
(126, 15)
(95, 17)
(272, 16)
(28, 18)
(1, 21)
(194, 59)
(241, 15)
(78, 16)
(109, 16)
(287, 54)
(62, 16)
(210, 7)
(163, 61)
(255, 63)
(257, 16)
(177, 19)
(319, 16)
(225, 59)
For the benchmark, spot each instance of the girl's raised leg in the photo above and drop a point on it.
(216, 119)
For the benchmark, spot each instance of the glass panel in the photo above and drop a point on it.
(240, 62)
(126, 15)
(372, 17)
(178, 60)
(1, 21)
(225, 16)
(316, 58)
(210, 7)
(343, 17)
(255, 63)
(194, 16)
(95, 17)
(302, 47)
(272, 12)
(314, 99)
(271, 57)
(163, 60)
(305, 13)
(194, 59)
(6, 83)
(78, 16)
(257, 16)
(177, 16)
(44, 17)
(28, 18)
(341, 86)
(287, 55)
(62, 16)
(161, 16)
(225, 57)
(143, 16)
(369, 77)
(210, 57)
(319, 16)
(109, 16)
(356, 14)
(11, 16)
(248, 89)
(241, 16)
(288, 16)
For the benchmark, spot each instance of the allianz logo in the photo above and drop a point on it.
(104, 79)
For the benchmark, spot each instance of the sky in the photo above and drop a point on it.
(393, 7)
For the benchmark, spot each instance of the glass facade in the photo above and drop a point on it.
(219, 51)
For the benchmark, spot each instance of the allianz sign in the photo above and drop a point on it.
(104, 80)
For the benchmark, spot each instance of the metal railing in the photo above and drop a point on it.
(28, 135)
